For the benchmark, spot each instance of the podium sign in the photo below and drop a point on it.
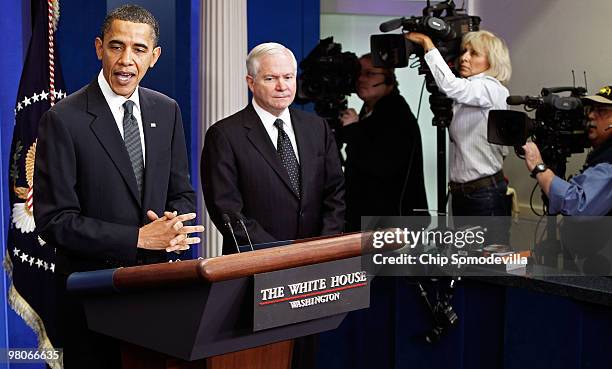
(309, 292)
(298, 290)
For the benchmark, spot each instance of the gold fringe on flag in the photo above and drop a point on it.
(29, 316)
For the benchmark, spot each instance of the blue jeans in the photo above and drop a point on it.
(488, 201)
(482, 202)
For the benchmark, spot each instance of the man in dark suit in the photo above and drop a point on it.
(277, 168)
(111, 158)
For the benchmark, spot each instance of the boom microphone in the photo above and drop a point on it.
(517, 100)
(228, 223)
(391, 25)
(529, 101)
(244, 228)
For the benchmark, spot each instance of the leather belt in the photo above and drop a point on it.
(477, 184)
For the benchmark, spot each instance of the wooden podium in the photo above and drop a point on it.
(199, 313)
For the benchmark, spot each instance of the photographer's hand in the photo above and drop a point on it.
(349, 116)
(420, 39)
(533, 158)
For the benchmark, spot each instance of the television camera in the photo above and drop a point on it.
(445, 25)
(558, 129)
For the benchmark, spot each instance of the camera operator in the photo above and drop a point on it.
(589, 193)
(384, 159)
(477, 182)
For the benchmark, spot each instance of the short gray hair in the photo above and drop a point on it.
(261, 50)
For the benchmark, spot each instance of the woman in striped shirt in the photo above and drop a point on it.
(477, 183)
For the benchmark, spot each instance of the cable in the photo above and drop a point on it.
(531, 201)
(537, 240)
(407, 177)
(420, 100)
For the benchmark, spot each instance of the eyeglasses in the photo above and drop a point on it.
(597, 110)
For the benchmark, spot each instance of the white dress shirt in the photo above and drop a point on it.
(268, 120)
(115, 103)
(474, 157)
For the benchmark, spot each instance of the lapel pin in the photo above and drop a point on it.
(153, 125)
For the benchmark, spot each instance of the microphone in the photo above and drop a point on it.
(228, 223)
(530, 101)
(392, 24)
(516, 100)
(244, 228)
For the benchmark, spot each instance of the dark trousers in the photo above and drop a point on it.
(487, 201)
(83, 348)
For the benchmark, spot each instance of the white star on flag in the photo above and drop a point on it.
(16, 251)
(39, 263)
(24, 257)
(46, 265)
(26, 101)
(19, 107)
(52, 267)
(35, 97)
(43, 95)
(31, 260)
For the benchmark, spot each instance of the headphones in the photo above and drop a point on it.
(390, 80)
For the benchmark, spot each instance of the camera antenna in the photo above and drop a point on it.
(573, 79)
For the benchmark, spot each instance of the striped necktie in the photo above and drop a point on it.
(131, 137)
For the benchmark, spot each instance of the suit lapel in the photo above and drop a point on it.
(305, 150)
(105, 129)
(257, 134)
(153, 141)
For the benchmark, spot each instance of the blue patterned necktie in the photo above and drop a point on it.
(287, 155)
(131, 137)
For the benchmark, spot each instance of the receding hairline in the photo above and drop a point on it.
(267, 49)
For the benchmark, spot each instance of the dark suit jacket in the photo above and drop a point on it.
(384, 164)
(242, 172)
(86, 201)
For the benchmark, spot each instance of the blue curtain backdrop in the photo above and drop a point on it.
(498, 327)
(294, 24)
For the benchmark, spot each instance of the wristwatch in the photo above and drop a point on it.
(538, 169)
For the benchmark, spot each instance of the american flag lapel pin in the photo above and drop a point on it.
(153, 125)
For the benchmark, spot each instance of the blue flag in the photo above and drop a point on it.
(29, 262)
